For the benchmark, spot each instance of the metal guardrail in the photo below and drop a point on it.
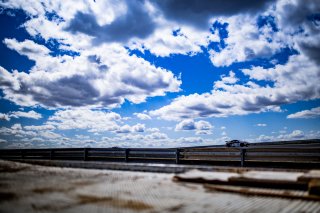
(265, 155)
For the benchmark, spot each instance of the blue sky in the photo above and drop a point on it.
(158, 73)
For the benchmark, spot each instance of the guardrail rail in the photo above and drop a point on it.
(305, 155)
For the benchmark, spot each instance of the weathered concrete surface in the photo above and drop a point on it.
(30, 188)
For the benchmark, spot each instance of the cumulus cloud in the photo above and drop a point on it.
(40, 127)
(20, 114)
(241, 99)
(198, 13)
(107, 81)
(4, 116)
(248, 42)
(16, 126)
(231, 79)
(27, 47)
(93, 120)
(138, 128)
(201, 127)
(298, 15)
(30, 114)
(186, 40)
(187, 124)
(153, 130)
(283, 136)
(142, 116)
(135, 22)
(128, 129)
(286, 24)
(295, 134)
(156, 136)
(312, 113)
(3, 141)
(155, 139)
(49, 135)
(190, 140)
(15, 131)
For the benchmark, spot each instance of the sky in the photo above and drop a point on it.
(158, 73)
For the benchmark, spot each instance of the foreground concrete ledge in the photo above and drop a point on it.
(148, 167)
(33, 188)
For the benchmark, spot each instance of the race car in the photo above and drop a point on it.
(236, 143)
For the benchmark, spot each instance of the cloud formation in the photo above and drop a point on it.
(228, 99)
(142, 116)
(312, 113)
(198, 13)
(201, 127)
(135, 22)
(96, 121)
(20, 114)
(116, 77)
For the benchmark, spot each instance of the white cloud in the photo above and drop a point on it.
(16, 130)
(105, 75)
(156, 136)
(190, 140)
(261, 125)
(246, 42)
(201, 127)
(39, 128)
(37, 139)
(31, 114)
(16, 126)
(49, 134)
(283, 136)
(187, 124)
(93, 120)
(2, 141)
(264, 138)
(241, 99)
(142, 116)
(153, 130)
(28, 48)
(155, 139)
(102, 75)
(231, 79)
(128, 129)
(82, 137)
(20, 114)
(138, 128)
(295, 134)
(4, 116)
(312, 113)
(163, 43)
(285, 28)
(124, 129)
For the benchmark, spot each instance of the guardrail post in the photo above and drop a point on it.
(126, 156)
(51, 154)
(177, 156)
(85, 154)
(22, 154)
(243, 153)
